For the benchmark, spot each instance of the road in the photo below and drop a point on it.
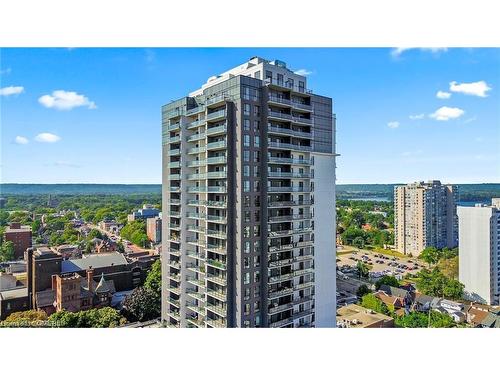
(129, 247)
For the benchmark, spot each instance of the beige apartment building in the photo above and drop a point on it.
(425, 214)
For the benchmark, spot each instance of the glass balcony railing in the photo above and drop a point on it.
(217, 129)
(196, 137)
(195, 124)
(217, 234)
(288, 203)
(302, 120)
(279, 115)
(217, 174)
(217, 249)
(288, 174)
(175, 176)
(175, 139)
(196, 228)
(216, 145)
(195, 110)
(218, 309)
(286, 189)
(217, 114)
(216, 219)
(288, 146)
(216, 99)
(276, 160)
(216, 160)
(296, 133)
(278, 99)
(174, 164)
(196, 150)
(196, 215)
(174, 152)
(197, 163)
(174, 127)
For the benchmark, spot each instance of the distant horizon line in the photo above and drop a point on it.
(159, 184)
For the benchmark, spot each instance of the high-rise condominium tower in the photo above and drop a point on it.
(479, 252)
(425, 214)
(249, 202)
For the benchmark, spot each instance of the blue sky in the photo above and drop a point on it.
(94, 115)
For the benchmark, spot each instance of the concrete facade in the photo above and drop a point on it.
(239, 179)
(479, 252)
(425, 214)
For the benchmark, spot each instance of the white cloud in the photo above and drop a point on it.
(443, 95)
(20, 140)
(479, 88)
(47, 138)
(66, 100)
(6, 71)
(417, 117)
(447, 113)
(303, 72)
(396, 52)
(11, 90)
(393, 124)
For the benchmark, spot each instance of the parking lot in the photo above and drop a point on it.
(381, 264)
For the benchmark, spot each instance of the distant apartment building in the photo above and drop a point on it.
(479, 252)
(147, 211)
(425, 214)
(249, 202)
(153, 229)
(20, 236)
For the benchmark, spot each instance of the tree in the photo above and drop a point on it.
(430, 255)
(363, 269)
(369, 301)
(153, 279)
(26, 316)
(363, 290)
(434, 283)
(387, 280)
(7, 251)
(105, 317)
(449, 267)
(359, 242)
(433, 319)
(141, 305)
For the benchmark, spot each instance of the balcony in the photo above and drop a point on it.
(281, 323)
(196, 255)
(200, 283)
(196, 150)
(217, 234)
(195, 124)
(216, 323)
(173, 189)
(174, 302)
(288, 146)
(217, 294)
(175, 176)
(288, 203)
(197, 176)
(196, 322)
(279, 100)
(286, 131)
(205, 189)
(196, 228)
(174, 213)
(217, 115)
(287, 85)
(302, 272)
(280, 308)
(175, 139)
(288, 175)
(289, 189)
(279, 115)
(217, 219)
(217, 280)
(289, 232)
(302, 106)
(217, 174)
(174, 127)
(217, 249)
(280, 263)
(174, 164)
(175, 265)
(174, 239)
(280, 293)
(280, 278)
(174, 276)
(195, 215)
(302, 120)
(303, 285)
(289, 217)
(197, 163)
(174, 152)
(196, 242)
(195, 110)
(216, 100)
(221, 129)
(216, 145)
(288, 247)
(196, 137)
(217, 309)
(216, 264)
(199, 309)
(175, 290)
(217, 160)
